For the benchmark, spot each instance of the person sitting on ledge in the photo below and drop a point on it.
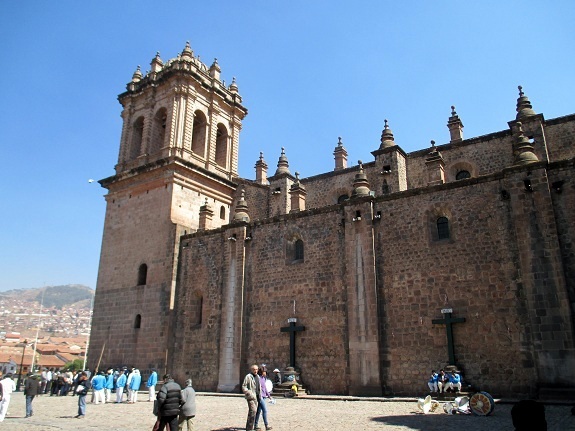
(455, 381)
(432, 382)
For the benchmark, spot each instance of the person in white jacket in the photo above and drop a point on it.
(8, 386)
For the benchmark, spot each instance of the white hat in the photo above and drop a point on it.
(276, 371)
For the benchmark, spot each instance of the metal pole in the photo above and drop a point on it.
(21, 366)
(37, 330)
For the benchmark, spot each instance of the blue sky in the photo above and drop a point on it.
(308, 72)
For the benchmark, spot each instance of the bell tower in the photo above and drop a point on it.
(178, 152)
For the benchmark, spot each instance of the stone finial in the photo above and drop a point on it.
(297, 194)
(455, 126)
(187, 53)
(137, 76)
(233, 86)
(387, 139)
(360, 184)
(523, 148)
(157, 63)
(215, 69)
(241, 211)
(261, 170)
(283, 164)
(206, 215)
(340, 155)
(524, 108)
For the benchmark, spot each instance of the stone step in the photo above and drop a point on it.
(557, 394)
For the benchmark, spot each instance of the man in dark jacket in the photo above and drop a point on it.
(31, 389)
(169, 402)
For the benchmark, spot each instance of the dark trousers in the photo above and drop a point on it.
(29, 411)
(172, 421)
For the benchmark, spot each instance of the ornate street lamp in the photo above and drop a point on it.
(21, 366)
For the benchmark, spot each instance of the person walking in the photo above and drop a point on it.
(264, 393)
(251, 390)
(32, 387)
(188, 409)
(151, 385)
(169, 402)
(8, 386)
(82, 390)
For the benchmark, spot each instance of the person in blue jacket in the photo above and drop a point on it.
(98, 384)
(135, 383)
(109, 385)
(120, 384)
(432, 382)
(151, 384)
(454, 381)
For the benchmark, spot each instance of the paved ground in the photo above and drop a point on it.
(228, 413)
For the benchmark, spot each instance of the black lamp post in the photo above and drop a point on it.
(21, 366)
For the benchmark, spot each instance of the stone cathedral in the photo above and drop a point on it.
(461, 253)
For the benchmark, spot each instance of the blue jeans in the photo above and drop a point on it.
(29, 399)
(82, 405)
(263, 409)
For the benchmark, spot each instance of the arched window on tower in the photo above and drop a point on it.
(142, 274)
(442, 228)
(137, 135)
(222, 212)
(195, 310)
(158, 130)
(222, 146)
(298, 250)
(138, 321)
(461, 175)
(199, 134)
(385, 188)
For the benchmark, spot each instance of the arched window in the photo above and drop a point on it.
(158, 130)
(222, 212)
(298, 250)
(137, 135)
(138, 321)
(461, 175)
(142, 274)
(196, 310)
(385, 188)
(442, 228)
(199, 134)
(342, 199)
(222, 146)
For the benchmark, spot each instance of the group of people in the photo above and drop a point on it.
(32, 388)
(257, 390)
(175, 407)
(443, 382)
(118, 381)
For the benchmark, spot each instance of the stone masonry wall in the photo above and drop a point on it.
(137, 231)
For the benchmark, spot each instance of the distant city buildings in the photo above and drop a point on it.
(47, 338)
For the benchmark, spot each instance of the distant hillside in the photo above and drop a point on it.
(55, 296)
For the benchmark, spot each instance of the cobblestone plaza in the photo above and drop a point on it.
(228, 413)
